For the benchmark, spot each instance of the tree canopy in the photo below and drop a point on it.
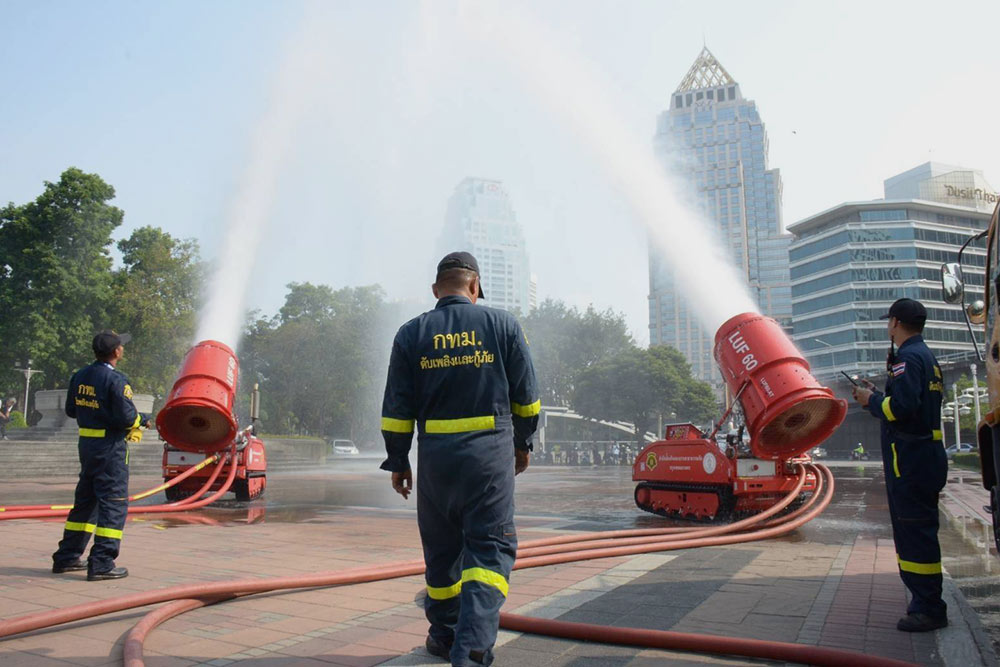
(565, 342)
(155, 297)
(55, 274)
(642, 386)
(58, 287)
(321, 361)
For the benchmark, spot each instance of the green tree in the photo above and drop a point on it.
(55, 275)
(321, 361)
(640, 386)
(564, 342)
(155, 298)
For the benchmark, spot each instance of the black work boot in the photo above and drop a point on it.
(113, 573)
(74, 566)
(921, 623)
(438, 648)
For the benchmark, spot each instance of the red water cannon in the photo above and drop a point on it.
(785, 409)
(199, 413)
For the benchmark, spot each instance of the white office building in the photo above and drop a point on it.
(480, 219)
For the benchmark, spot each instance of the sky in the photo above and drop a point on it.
(343, 127)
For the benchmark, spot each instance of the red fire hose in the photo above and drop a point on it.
(184, 598)
(138, 496)
(189, 503)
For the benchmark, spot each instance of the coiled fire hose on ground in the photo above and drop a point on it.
(536, 553)
(11, 512)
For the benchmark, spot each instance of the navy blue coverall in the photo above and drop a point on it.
(916, 469)
(462, 375)
(100, 399)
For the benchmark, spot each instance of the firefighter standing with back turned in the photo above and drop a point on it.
(100, 399)
(462, 375)
(914, 460)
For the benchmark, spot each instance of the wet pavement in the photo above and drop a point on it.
(832, 582)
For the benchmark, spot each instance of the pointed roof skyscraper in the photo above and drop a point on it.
(706, 72)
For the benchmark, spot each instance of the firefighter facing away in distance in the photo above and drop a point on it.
(461, 374)
(100, 399)
(914, 460)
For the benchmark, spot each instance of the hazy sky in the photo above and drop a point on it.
(399, 102)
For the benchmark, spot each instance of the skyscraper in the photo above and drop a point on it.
(481, 220)
(714, 141)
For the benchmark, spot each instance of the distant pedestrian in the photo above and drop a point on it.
(5, 409)
(914, 460)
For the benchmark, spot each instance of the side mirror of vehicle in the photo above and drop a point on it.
(976, 311)
(951, 282)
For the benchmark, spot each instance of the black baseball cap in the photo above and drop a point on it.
(907, 311)
(108, 341)
(461, 260)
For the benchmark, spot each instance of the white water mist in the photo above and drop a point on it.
(225, 307)
(703, 272)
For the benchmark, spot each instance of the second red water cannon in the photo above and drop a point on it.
(787, 411)
(199, 415)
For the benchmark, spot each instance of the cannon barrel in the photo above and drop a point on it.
(199, 412)
(786, 410)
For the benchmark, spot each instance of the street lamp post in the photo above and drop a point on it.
(27, 372)
(955, 412)
(975, 390)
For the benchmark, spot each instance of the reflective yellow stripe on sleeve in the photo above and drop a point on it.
(397, 425)
(918, 568)
(488, 577)
(895, 460)
(444, 592)
(113, 533)
(138, 420)
(80, 527)
(529, 410)
(937, 435)
(887, 411)
(92, 432)
(460, 425)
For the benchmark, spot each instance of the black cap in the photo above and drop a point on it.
(461, 260)
(907, 311)
(108, 341)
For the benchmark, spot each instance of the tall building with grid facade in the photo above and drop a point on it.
(850, 262)
(480, 219)
(713, 140)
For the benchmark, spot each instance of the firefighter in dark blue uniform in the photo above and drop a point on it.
(100, 399)
(914, 460)
(461, 375)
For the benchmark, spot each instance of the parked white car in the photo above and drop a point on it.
(345, 447)
(960, 448)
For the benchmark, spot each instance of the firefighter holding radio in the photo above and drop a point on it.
(100, 399)
(914, 460)
(462, 376)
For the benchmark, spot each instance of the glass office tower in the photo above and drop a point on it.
(713, 139)
(480, 219)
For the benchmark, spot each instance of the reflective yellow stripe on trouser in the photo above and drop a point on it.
(92, 432)
(895, 460)
(80, 526)
(113, 533)
(460, 425)
(480, 574)
(918, 568)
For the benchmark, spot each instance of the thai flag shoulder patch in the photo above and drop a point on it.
(898, 369)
